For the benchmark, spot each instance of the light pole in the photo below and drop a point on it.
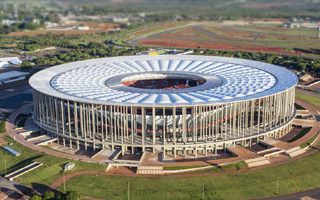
(128, 190)
(277, 185)
(64, 182)
(202, 190)
(5, 167)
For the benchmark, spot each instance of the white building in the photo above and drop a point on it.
(4, 65)
(12, 76)
(181, 105)
(10, 61)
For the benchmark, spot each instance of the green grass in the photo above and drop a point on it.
(234, 166)
(2, 126)
(3, 122)
(308, 98)
(303, 145)
(52, 169)
(295, 176)
(302, 133)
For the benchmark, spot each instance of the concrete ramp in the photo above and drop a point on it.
(28, 132)
(295, 151)
(270, 142)
(303, 113)
(23, 170)
(150, 164)
(255, 162)
(45, 141)
(303, 122)
(150, 170)
(241, 152)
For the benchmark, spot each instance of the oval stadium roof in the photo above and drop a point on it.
(98, 81)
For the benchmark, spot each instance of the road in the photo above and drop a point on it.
(14, 190)
(14, 97)
(306, 195)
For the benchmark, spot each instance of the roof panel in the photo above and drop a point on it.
(227, 80)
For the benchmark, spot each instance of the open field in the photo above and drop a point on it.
(95, 27)
(251, 37)
(150, 29)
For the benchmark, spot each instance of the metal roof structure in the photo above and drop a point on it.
(99, 81)
(11, 75)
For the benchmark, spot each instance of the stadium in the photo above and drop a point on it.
(179, 105)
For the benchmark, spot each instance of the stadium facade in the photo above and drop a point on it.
(179, 105)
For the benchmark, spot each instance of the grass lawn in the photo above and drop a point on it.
(303, 145)
(233, 166)
(2, 124)
(52, 169)
(311, 99)
(295, 176)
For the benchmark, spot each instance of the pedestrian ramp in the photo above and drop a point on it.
(150, 170)
(255, 162)
(27, 132)
(45, 141)
(23, 170)
(272, 152)
(295, 151)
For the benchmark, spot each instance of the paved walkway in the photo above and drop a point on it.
(14, 190)
(242, 152)
(151, 159)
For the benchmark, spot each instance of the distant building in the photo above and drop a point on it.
(142, 14)
(50, 24)
(4, 65)
(12, 76)
(306, 78)
(45, 49)
(82, 28)
(36, 21)
(9, 22)
(120, 19)
(10, 62)
(311, 25)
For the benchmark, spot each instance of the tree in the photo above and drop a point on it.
(36, 197)
(48, 195)
(26, 64)
(303, 66)
(71, 195)
(238, 167)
